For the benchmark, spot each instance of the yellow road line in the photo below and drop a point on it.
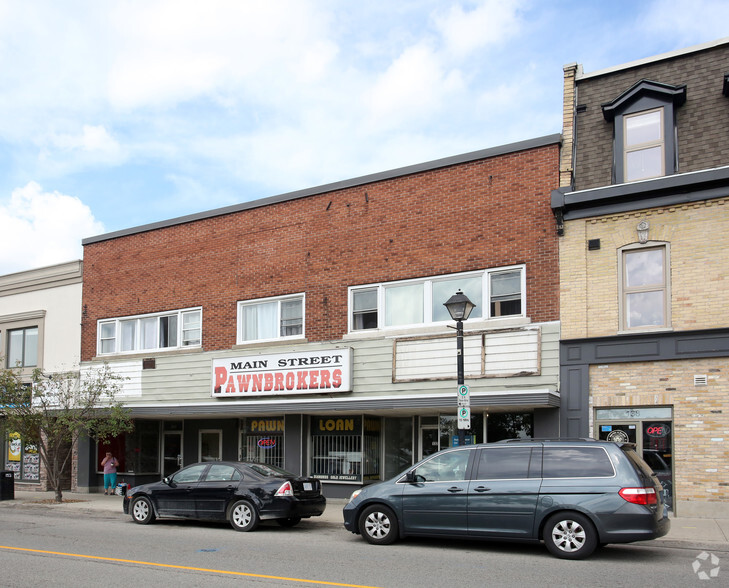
(161, 565)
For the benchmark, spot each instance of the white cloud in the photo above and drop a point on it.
(43, 228)
(93, 141)
(171, 51)
(491, 22)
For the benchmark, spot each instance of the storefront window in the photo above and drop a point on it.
(449, 434)
(262, 440)
(398, 445)
(137, 452)
(22, 458)
(509, 425)
(345, 448)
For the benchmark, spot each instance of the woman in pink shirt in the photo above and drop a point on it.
(109, 463)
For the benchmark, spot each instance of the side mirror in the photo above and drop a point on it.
(412, 478)
(167, 480)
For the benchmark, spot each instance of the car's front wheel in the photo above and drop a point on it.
(289, 522)
(142, 511)
(243, 516)
(570, 536)
(378, 525)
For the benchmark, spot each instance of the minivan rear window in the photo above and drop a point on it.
(577, 462)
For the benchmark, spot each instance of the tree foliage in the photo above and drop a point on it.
(54, 410)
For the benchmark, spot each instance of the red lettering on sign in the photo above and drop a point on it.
(290, 380)
(325, 379)
(279, 381)
(221, 376)
(337, 378)
(301, 383)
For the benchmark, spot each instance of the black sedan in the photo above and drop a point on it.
(242, 493)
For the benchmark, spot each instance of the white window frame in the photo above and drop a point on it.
(278, 300)
(484, 304)
(138, 344)
(625, 290)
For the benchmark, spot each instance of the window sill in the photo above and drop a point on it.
(150, 353)
(270, 343)
(646, 331)
(471, 325)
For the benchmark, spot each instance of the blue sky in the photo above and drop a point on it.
(118, 114)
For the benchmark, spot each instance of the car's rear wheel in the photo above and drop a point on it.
(142, 511)
(289, 522)
(243, 516)
(570, 536)
(378, 525)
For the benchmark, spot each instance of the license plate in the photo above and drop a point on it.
(307, 486)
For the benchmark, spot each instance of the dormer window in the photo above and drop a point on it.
(645, 143)
(644, 152)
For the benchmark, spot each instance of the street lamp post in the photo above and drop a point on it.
(460, 307)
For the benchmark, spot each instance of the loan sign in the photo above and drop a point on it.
(283, 373)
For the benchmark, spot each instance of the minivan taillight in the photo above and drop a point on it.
(285, 490)
(645, 496)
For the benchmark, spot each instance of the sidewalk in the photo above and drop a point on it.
(696, 533)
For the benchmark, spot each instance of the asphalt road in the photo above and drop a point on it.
(96, 549)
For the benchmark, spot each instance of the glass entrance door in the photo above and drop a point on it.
(429, 440)
(172, 453)
(653, 440)
(656, 447)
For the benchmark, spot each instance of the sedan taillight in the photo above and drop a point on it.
(646, 496)
(285, 490)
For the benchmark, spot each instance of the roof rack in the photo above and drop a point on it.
(546, 439)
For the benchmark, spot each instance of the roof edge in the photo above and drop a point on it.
(655, 58)
(343, 184)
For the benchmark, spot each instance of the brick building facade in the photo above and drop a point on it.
(353, 274)
(644, 224)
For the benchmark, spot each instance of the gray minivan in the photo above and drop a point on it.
(574, 495)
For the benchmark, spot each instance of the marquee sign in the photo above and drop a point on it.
(283, 373)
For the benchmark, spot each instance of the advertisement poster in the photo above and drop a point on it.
(14, 447)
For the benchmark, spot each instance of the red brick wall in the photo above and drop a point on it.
(476, 215)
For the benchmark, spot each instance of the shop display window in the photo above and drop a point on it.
(262, 440)
(346, 448)
(137, 452)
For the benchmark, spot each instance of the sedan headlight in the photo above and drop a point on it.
(355, 494)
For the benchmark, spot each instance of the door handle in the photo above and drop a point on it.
(482, 489)
(454, 489)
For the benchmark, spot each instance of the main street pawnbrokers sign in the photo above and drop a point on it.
(283, 373)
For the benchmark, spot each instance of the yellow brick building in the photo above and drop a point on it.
(643, 219)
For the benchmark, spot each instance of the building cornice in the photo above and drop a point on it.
(53, 276)
(666, 191)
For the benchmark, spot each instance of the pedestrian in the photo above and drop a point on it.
(109, 463)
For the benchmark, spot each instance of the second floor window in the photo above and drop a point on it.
(182, 328)
(497, 293)
(271, 318)
(645, 296)
(22, 346)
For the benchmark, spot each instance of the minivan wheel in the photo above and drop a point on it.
(378, 525)
(570, 536)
